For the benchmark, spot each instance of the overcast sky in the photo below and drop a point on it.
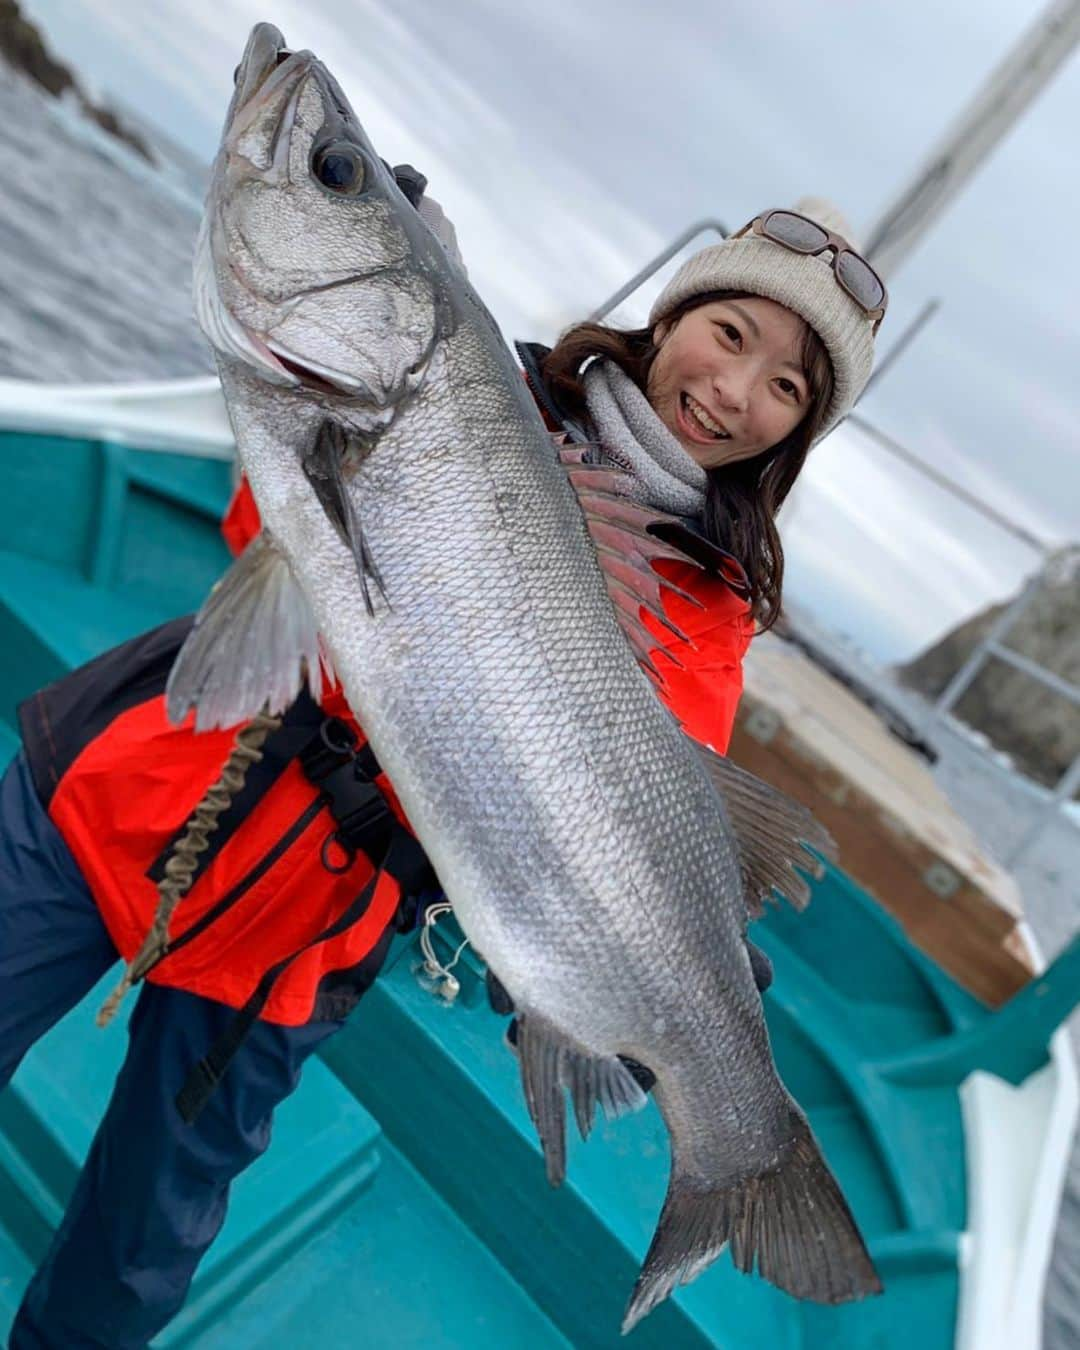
(570, 142)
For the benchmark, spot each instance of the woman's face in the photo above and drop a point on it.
(728, 381)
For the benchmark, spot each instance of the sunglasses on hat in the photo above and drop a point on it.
(803, 235)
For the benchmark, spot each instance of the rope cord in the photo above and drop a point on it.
(184, 859)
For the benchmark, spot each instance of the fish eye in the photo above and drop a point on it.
(338, 167)
(236, 75)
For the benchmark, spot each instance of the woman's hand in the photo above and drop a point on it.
(413, 186)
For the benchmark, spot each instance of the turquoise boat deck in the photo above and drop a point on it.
(403, 1202)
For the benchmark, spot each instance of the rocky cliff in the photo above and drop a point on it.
(23, 48)
(1040, 729)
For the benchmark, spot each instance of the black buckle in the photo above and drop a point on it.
(356, 803)
(360, 812)
(334, 747)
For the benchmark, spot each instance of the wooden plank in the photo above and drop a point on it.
(898, 836)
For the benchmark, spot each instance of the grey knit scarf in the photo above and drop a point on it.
(633, 438)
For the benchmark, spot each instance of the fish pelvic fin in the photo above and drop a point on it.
(550, 1062)
(778, 838)
(254, 642)
(790, 1223)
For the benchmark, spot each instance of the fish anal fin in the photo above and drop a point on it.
(595, 478)
(777, 836)
(552, 1062)
(638, 577)
(254, 642)
(789, 1222)
(632, 600)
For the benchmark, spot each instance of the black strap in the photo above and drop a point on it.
(686, 536)
(345, 778)
(403, 861)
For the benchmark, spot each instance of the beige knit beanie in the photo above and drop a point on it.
(806, 285)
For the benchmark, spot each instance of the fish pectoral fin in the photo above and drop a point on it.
(550, 1062)
(324, 468)
(790, 1222)
(254, 641)
(777, 837)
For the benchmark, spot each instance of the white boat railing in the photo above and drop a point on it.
(1018, 1144)
(184, 416)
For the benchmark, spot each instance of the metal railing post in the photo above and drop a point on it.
(902, 343)
(992, 646)
(653, 267)
(978, 658)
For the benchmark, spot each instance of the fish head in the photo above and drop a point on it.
(312, 269)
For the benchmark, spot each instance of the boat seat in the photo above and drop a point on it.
(52, 620)
(67, 597)
(74, 619)
(130, 539)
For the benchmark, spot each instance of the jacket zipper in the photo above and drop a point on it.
(530, 369)
(237, 892)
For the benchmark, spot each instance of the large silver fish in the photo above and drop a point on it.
(422, 536)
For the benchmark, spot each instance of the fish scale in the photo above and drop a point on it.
(418, 519)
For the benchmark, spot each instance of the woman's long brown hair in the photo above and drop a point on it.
(741, 500)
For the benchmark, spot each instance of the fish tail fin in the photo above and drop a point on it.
(791, 1223)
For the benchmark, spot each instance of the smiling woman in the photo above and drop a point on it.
(729, 379)
(753, 352)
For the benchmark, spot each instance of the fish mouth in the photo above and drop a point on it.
(270, 74)
(266, 53)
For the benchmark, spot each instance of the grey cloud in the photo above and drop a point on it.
(571, 141)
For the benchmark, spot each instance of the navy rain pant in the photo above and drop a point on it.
(151, 1196)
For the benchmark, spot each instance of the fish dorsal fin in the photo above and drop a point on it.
(775, 835)
(254, 642)
(626, 548)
